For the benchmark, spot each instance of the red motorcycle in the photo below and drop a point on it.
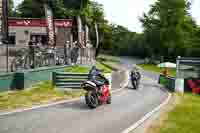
(96, 95)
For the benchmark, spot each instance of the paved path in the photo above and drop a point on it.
(130, 62)
(127, 107)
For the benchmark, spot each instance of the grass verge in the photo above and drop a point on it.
(39, 94)
(85, 69)
(108, 58)
(105, 68)
(184, 118)
(154, 68)
(77, 69)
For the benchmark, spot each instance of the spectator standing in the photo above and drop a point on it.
(88, 51)
(67, 52)
(32, 44)
(74, 53)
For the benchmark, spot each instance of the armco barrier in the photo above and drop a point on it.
(25, 79)
(73, 80)
(168, 82)
(7, 81)
(69, 80)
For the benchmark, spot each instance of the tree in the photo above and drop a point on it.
(103, 35)
(168, 27)
(10, 8)
(77, 7)
(30, 9)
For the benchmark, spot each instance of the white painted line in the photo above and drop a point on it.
(148, 115)
(48, 105)
(40, 106)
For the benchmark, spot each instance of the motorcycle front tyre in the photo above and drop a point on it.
(91, 99)
(134, 84)
(109, 99)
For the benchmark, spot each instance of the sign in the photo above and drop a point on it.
(1, 16)
(4, 23)
(50, 25)
(65, 23)
(1, 35)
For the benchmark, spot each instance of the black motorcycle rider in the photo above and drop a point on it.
(135, 78)
(96, 77)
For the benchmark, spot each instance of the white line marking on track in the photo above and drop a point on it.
(148, 115)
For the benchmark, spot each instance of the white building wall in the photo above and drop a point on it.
(23, 33)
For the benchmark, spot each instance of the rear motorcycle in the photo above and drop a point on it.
(135, 80)
(95, 95)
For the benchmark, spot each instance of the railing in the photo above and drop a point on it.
(69, 80)
(18, 58)
(168, 82)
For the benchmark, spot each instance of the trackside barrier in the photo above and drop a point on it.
(168, 82)
(72, 80)
(69, 80)
(27, 78)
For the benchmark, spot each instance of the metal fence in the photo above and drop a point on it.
(17, 58)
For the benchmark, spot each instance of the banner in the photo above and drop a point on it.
(4, 20)
(1, 35)
(65, 23)
(1, 15)
(50, 25)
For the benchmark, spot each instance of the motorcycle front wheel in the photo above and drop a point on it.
(109, 99)
(91, 99)
(134, 84)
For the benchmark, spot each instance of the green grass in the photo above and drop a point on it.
(108, 58)
(83, 69)
(185, 118)
(112, 65)
(103, 67)
(154, 68)
(38, 94)
(77, 69)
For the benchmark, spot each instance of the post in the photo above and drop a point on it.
(179, 83)
(97, 40)
(79, 23)
(5, 28)
(177, 67)
(54, 78)
(86, 34)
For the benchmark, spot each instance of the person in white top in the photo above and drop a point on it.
(89, 51)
